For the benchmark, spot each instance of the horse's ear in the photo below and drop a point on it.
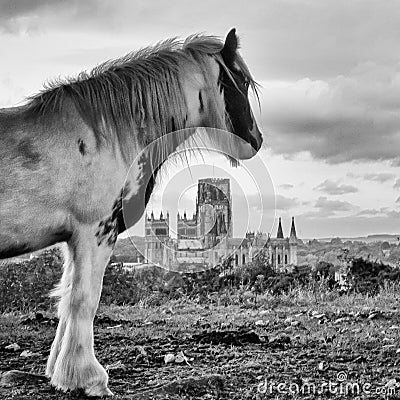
(228, 52)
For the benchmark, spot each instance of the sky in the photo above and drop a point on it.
(330, 97)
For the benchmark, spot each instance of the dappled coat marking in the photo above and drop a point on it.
(109, 228)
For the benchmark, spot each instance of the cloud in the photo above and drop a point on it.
(30, 16)
(334, 208)
(333, 205)
(379, 177)
(285, 203)
(10, 91)
(329, 208)
(286, 186)
(278, 36)
(346, 226)
(382, 212)
(320, 96)
(397, 184)
(398, 200)
(334, 188)
(345, 118)
(393, 214)
(265, 203)
(369, 212)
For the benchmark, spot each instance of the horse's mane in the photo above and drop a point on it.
(139, 94)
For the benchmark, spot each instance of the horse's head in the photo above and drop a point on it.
(235, 81)
(215, 82)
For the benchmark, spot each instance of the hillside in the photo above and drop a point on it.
(129, 249)
(382, 237)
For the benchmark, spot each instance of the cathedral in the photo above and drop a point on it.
(202, 240)
(282, 252)
(206, 239)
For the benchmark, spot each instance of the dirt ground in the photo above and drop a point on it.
(348, 348)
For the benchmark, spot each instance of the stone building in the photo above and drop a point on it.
(156, 236)
(206, 239)
(281, 251)
(213, 211)
(202, 239)
(186, 228)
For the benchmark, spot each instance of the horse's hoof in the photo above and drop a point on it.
(98, 391)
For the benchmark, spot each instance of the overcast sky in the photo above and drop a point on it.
(330, 72)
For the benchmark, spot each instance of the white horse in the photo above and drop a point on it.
(64, 158)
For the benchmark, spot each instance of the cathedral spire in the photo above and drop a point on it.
(280, 231)
(293, 230)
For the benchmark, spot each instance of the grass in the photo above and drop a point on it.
(305, 337)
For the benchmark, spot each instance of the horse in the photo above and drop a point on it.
(65, 154)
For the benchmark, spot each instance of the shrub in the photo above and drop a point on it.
(367, 276)
(25, 285)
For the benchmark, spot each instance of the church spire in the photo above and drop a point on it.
(293, 230)
(280, 231)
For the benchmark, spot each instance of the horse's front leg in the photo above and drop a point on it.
(72, 363)
(63, 292)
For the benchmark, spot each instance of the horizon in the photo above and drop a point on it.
(307, 238)
(329, 107)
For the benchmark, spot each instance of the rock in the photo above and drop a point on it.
(169, 358)
(115, 366)
(13, 347)
(28, 353)
(340, 320)
(181, 358)
(298, 315)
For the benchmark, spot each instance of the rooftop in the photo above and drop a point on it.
(190, 244)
